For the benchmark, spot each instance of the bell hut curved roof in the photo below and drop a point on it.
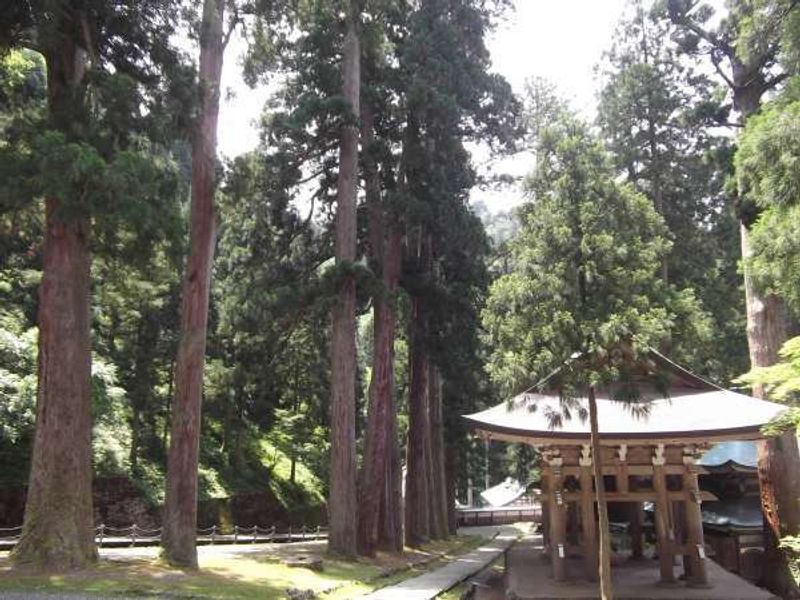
(688, 409)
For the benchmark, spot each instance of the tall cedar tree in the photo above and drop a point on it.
(179, 539)
(94, 113)
(409, 83)
(380, 480)
(380, 501)
(586, 279)
(749, 75)
(768, 149)
(61, 469)
(342, 503)
(417, 499)
(441, 111)
(660, 119)
(751, 48)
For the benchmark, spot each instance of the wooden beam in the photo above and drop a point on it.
(638, 470)
(644, 496)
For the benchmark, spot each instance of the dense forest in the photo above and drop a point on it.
(340, 295)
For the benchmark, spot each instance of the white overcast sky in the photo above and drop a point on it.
(561, 40)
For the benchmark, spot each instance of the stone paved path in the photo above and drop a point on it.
(429, 585)
(423, 587)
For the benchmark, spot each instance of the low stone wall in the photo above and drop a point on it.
(12, 506)
(119, 503)
(256, 508)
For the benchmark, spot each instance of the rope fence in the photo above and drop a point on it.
(134, 535)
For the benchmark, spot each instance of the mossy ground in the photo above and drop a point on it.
(257, 575)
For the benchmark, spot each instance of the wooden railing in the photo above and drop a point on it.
(499, 516)
(134, 535)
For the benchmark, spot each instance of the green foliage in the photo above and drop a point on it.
(585, 268)
(17, 392)
(782, 380)
(542, 106)
(307, 489)
(767, 164)
(768, 156)
(770, 26)
(791, 546)
(111, 438)
(775, 259)
(659, 115)
(22, 84)
(578, 268)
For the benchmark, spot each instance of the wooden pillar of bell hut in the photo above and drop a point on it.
(557, 514)
(664, 535)
(645, 463)
(695, 544)
(588, 516)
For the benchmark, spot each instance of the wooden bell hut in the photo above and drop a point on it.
(650, 454)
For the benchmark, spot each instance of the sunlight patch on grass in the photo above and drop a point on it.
(233, 577)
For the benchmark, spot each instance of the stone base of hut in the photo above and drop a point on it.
(529, 573)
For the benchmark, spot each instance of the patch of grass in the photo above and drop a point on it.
(251, 576)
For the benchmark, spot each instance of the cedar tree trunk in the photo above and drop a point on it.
(376, 492)
(58, 532)
(779, 477)
(606, 592)
(390, 528)
(342, 501)
(766, 318)
(180, 509)
(417, 514)
(450, 464)
(438, 491)
(778, 458)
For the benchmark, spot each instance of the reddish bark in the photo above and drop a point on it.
(417, 505)
(766, 319)
(375, 490)
(749, 79)
(778, 463)
(436, 463)
(381, 425)
(58, 533)
(390, 534)
(342, 538)
(767, 330)
(180, 509)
